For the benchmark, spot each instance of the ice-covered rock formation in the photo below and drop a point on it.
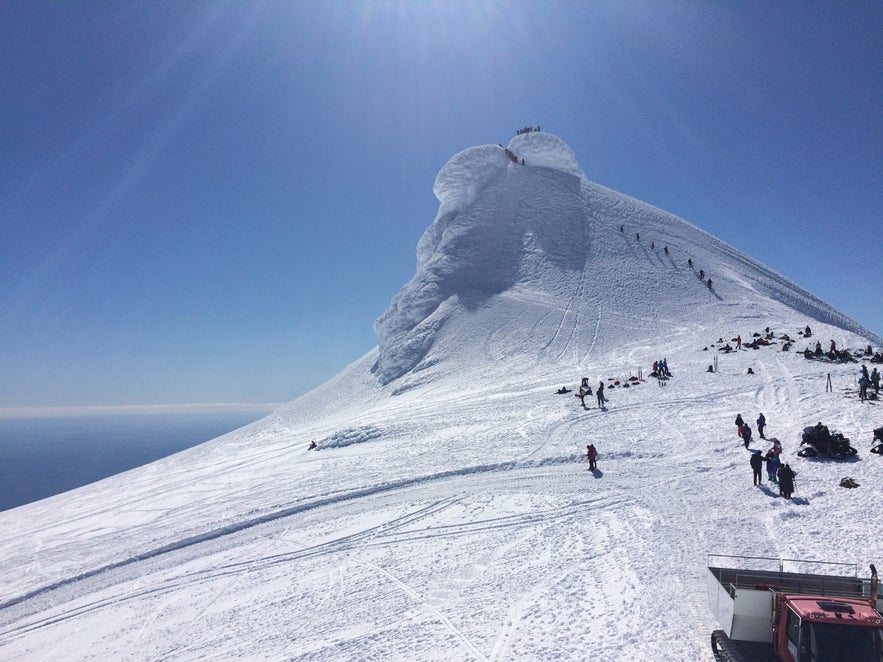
(495, 216)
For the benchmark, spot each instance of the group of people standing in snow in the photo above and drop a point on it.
(744, 430)
(585, 389)
(866, 380)
(527, 129)
(776, 471)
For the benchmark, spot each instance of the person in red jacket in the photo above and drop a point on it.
(592, 454)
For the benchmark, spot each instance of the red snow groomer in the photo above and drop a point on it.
(794, 616)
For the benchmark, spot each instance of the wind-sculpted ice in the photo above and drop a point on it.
(462, 178)
(543, 150)
(477, 247)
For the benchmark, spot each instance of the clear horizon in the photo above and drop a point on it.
(132, 409)
(209, 202)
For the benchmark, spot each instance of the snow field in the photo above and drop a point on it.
(527, 557)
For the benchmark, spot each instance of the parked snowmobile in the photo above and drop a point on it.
(819, 441)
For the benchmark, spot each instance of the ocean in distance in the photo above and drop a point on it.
(40, 457)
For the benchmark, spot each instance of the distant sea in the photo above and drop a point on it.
(40, 457)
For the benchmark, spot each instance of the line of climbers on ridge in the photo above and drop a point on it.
(527, 129)
(665, 250)
(511, 155)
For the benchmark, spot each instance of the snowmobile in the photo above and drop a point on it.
(878, 441)
(819, 441)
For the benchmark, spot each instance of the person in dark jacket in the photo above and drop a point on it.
(786, 481)
(761, 424)
(757, 467)
(746, 434)
(601, 398)
(739, 424)
(863, 384)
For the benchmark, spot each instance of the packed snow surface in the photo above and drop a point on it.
(448, 512)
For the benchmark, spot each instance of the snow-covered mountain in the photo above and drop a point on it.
(553, 265)
(447, 511)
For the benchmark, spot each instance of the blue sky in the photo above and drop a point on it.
(213, 201)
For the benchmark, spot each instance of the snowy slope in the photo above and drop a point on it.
(448, 512)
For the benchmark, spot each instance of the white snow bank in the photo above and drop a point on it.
(461, 180)
(464, 176)
(545, 151)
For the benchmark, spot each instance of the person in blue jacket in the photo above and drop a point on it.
(772, 465)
